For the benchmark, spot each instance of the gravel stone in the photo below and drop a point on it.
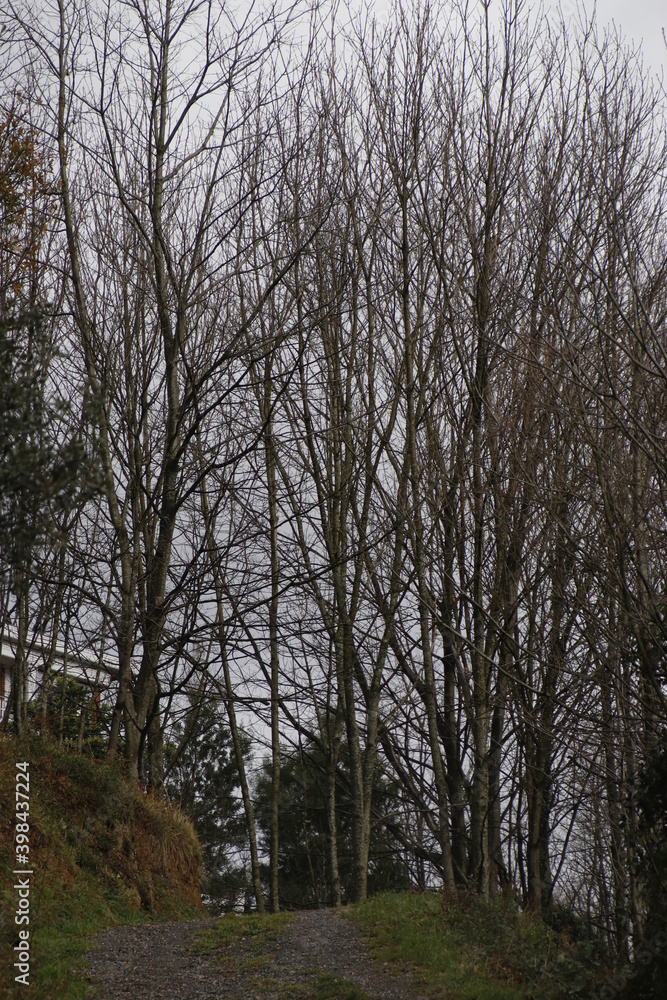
(152, 962)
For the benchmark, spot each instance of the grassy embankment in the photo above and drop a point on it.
(466, 949)
(102, 853)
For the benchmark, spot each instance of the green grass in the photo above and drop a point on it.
(333, 988)
(466, 949)
(256, 930)
(317, 987)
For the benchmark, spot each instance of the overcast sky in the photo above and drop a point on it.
(639, 20)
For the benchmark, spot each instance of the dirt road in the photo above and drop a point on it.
(320, 953)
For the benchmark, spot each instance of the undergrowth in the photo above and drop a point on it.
(469, 949)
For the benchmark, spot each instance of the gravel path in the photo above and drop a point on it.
(153, 963)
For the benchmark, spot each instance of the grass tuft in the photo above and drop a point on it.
(256, 930)
(332, 988)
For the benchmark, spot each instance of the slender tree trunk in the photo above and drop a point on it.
(273, 638)
(481, 668)
(346, 653)
(229, 701)
(497, 869)
(240, 763)
(332, 836)
(452, 742)
(424, 598)
(609, 691)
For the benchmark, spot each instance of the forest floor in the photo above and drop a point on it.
(315, 954)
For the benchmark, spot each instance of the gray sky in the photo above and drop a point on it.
(641, 21)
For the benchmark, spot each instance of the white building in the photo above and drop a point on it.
(82, 666)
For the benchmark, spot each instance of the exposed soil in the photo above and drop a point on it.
(154, 963)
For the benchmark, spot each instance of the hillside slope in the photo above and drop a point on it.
(99, 851)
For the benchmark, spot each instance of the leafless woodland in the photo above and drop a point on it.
(363, 326)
